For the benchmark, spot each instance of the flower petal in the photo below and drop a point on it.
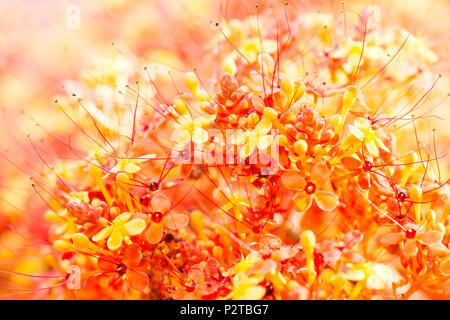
(326, 201)
(392, 238)
(293, 180)
(138, 280)
(154, 233)
(160, 202)
(122, 218)
(351, 163)
(134, 227)
(355, 275)
(115, 240)
(358, 134)
(133, 256)
(353, 237)
(102, 234)
(320, 174)
(372, 148)
(430, 237)
(176, 221)
(302, 202)
(263, 126)
(106, 265)
(410, 248)
(132, 168)
(373, 282)
(254, 293)
(445, 266)
(199, 136)
(264, 141)
(381, 271)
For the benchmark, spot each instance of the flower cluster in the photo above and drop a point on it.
(274, 177)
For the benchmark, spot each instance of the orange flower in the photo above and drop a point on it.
(161, 218)
(312, 188)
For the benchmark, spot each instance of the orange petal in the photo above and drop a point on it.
(176, 221)
(154, 233)
(320, 174)
(106, 265)
(196, 273)
(351, 163)
(138, 280)
(293, 180)
(445, 266)
(133, 255)
(160, 202)
(392, 238)
(410, 248)
(430, 237)
(171, 183)
(364, 181)
(302, 202)
(326, 201)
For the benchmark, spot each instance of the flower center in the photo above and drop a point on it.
(401, 196)
(121, 269)
(310, 188)
(410, 233)
(190, 287)
(367, 166)
(145, 200)
(157, 216)
(153, 186)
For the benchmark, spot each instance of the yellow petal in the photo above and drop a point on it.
(132, 168)
(381, 145)
(199, 136)
(263, 126)
(81, 241)
(356, 132)
(355, 275)
(115, 240)
(254, 293)
(134, 227)
(122, 218)
(264, 142)
(372, 148)
(374, 283)
(102, 234)
(381, 271)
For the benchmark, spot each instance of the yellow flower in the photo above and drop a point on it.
(246, 287)
(188, 128)
(368, 273)
(258, 138)
(362, 135)
(131, 165)
(120, 230)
